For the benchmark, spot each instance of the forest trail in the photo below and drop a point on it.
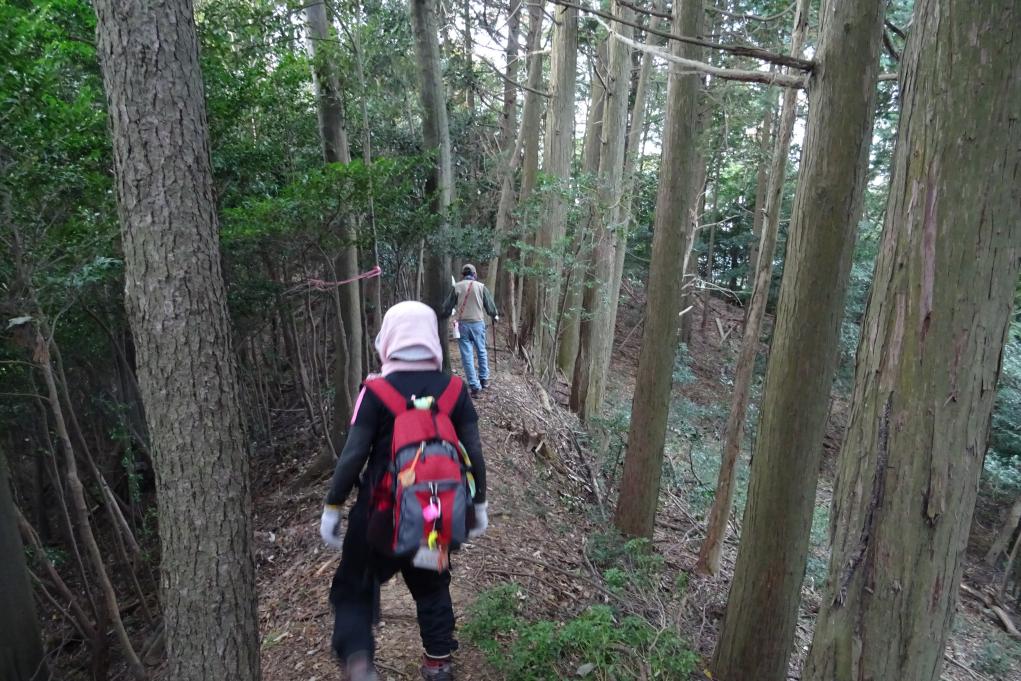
(531, 526)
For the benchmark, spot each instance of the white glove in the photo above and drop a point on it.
(481, 521)
(329, 527)
(496, 319)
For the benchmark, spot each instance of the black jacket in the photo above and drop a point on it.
(367, 450)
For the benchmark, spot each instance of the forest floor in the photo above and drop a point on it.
(544, 513)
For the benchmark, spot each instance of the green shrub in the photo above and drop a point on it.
(597, 643)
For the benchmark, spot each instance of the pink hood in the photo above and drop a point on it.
(408, 339)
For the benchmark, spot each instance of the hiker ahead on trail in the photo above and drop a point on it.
(414, 450)
(470, 301)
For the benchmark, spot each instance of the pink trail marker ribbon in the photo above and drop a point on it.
(320, 285)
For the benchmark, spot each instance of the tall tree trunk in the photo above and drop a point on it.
(567, 352)
(347, 367)
(596, 342)
(643, 465)
(1001, 544)
(559, 150)
(930, 350)
(510, 147)
(710, 253)
(469, 57)
(176, 303)
(761, 184)
(436, 137)
(531, 124)
(632, 156)
(710, 554)
(373, 289)
(21, 646)
(778, 518)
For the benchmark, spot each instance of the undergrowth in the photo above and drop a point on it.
(598, 643)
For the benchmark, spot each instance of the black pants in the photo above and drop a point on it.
(354, 594)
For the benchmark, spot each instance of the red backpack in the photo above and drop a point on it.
(427, 488)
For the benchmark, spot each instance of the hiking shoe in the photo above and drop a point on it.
(485, 383)
(474, 392)
(437, 670)
(360, 668)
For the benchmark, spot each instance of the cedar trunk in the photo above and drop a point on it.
(827, 207)
(347, 368)
(510, 149)
(761, 184)
(1001, 544)
(436, 137)
(176, 302)
(632, 157)
(531, 123)
(643, 465)
(559, 151)
(596, 340)
(21, 647)
(930, 350)
(711, 553)
(567, 351)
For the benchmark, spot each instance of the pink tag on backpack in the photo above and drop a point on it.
(430, 512)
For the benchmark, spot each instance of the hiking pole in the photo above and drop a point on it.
(495, 343)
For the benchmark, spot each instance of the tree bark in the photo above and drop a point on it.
(828, 205)
(348, 334)
(469, 50)
(567, 352)
(372, 291)
(643, 465)
(531, 124)
(711, 553)
(510, 148)
(176, 303)
(436, 137)
(1001, 544)
(632, 156)
(761, 184)
(21, 646)
(596, 341)
(930, 351)
(558, 147)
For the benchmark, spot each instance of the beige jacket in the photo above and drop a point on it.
(475, 298)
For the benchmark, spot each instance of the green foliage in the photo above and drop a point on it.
(625, 562)
(1005, 439)
(597, 643)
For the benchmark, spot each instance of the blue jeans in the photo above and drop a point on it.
(473, 336)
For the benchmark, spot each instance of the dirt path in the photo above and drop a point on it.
(529, 530)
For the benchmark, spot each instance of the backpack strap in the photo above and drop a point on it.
(464, 301)
(395, 402)
(448, 398)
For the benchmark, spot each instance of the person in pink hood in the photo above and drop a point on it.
(409, 346)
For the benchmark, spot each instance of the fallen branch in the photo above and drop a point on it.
(593, 480)
(724, 335)
(996, 612)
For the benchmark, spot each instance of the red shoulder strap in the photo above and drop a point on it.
(448, 398)
(388, 395)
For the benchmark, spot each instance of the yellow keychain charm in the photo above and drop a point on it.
(433, 537)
